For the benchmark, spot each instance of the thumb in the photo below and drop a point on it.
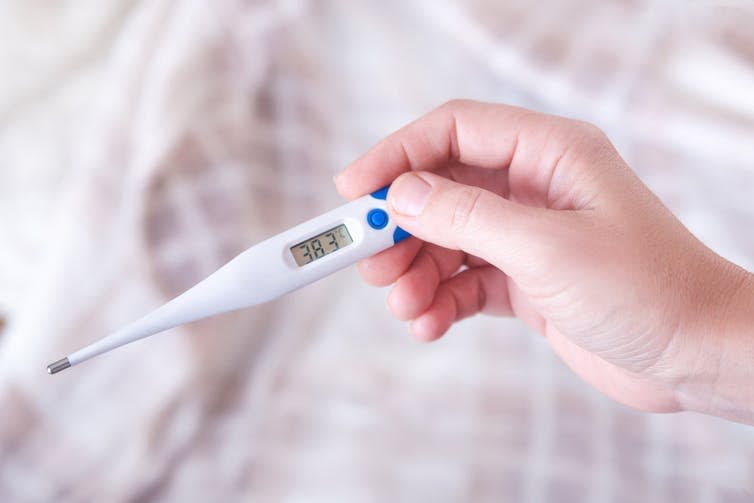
(509, 235)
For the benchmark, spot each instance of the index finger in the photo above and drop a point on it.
(469, 132)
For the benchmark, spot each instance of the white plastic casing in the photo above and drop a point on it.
(262, 273)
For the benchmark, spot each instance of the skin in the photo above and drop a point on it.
(517, 213)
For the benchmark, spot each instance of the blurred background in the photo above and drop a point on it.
(144, 143)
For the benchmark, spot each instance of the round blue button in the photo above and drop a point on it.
(377, 218)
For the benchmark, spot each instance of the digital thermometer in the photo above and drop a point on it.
(281, 264)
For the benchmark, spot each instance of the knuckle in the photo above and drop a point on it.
(455, 104)
(589, 140)
(599, 146)
(465, 208)
(591, 132)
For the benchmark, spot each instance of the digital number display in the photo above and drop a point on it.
(320, 245)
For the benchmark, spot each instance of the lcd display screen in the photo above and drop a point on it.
(320, 245)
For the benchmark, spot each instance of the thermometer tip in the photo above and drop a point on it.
(57, 366)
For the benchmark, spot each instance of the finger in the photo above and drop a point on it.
(473, 261)
(509, 235)
(387, 266)
(470, 292)
(415, 289)
(472, 133)
(494, 180)
(447, 261)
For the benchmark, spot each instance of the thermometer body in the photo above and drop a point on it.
(283, 263)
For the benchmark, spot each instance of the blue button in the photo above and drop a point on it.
(381, 193)
(399, 235)
(377, 218)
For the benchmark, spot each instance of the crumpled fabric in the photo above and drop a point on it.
(146, 143)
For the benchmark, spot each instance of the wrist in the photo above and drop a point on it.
(717, 367)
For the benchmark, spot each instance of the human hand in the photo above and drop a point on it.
(524, 214)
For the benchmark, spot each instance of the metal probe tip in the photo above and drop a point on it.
(57, 366)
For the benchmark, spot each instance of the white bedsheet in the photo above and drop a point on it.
(142, 144)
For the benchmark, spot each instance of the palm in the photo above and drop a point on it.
(442, 286)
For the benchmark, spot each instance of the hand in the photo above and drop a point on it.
(524, 214)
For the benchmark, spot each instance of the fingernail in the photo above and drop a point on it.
(409, 195)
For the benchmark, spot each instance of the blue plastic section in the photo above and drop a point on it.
(377, 218)
(381, 193)
(399, 235)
